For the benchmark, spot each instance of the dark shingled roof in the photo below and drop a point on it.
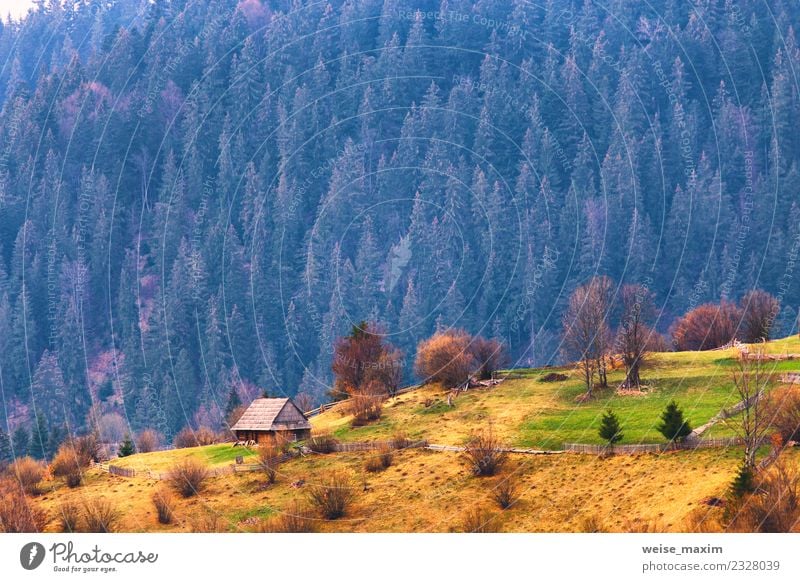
(262, 414)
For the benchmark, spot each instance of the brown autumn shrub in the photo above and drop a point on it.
(365, 408)
(759, 310)
(208, 521)
(188, 477)
(774, 507)
(323, 444)
(269, 457)
(483, 452)
(69, 464)
(17, 513)
(477, 520)
(332, 495)
(490, 355)
(446, 357)
(29, 473)
(784, 409)
(381, 460)
(148, 440)
(164, 503)
(591, 524)
(296, 519)
(506, 492)
(88, 447)
(69, 516)
(364, 357)
(707, 327)
(400, 440)
(100, 515)
(185, 439)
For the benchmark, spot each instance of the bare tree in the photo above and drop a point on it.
(752, 381)
(759, 310)
(633, 336)
(586, 332)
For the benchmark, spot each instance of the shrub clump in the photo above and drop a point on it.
(269, 457)
(322, 443)
(332, 496)
(148, 440)
(188, 477)
(164, 503)
(366, 407)
(69, 464)
(484, 454)
(478, 520)
(29, 473)
(381, 460)
(188, 438)
(69, 515)
(506, 493)
(16, 514)
(296, 519)
(100, 516)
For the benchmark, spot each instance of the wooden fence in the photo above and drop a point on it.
(329, 405)
(790, 378)
(635, 449)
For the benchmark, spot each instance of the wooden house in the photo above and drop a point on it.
(272, 417)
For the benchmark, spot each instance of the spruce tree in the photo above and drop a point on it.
(672, 425)
(127, 448)
(610, 428)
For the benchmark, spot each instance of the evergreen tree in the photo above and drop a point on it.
(127, 447)
(672, 425)
(610, 429)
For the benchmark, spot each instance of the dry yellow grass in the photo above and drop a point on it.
(426, 491)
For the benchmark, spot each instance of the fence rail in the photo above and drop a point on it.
(653, 448)
(320, 409)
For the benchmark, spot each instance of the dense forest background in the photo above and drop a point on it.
(197, 197)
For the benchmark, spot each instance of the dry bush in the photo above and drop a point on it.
(446, 357)
(208, 522)
(365, 407)
(69, 515)
(478, 520)
(100, 516)
(188, 437)
(591, 524)
(29, 473)
(490, 356)
(381, 460)
(69, 464)
(506, 493)
(269, 457)
(164, 503)
(332, 496)
(112, 428)
(784, 409)
(703, 520)
(759, 310)
(296, 519)
(484, 455)
(88, 447)
(401, 441)
(185, 439)
(362, 358)
(775, 505)
(148, 440)
(638, 525)
(322, 443)
(188, 477)
(17, 514)
(707, 327)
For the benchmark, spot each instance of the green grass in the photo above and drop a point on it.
(526, 412)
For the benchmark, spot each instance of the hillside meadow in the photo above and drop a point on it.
(434, 491)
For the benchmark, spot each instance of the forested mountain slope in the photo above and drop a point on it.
(201, 196)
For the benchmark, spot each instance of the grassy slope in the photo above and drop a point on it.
(430, 491)
(427, 491)
(529, 413)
